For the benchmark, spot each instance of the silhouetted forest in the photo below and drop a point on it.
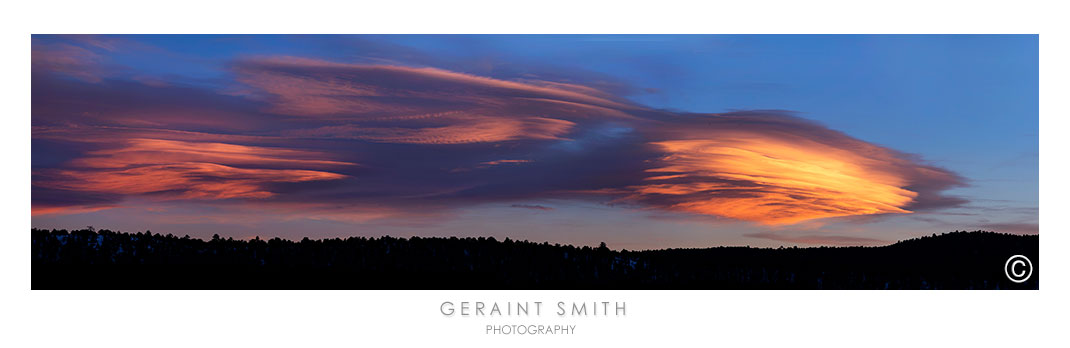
(90, 259)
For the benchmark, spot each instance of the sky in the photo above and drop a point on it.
(640, 141)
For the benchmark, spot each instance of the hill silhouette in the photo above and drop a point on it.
(90, 259)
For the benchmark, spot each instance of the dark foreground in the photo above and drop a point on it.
(86, 259)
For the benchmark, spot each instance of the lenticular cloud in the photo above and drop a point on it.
(309, 134)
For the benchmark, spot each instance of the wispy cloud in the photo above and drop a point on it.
(67, 59)
(532, 207)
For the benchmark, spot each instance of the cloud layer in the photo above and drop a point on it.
(335, 139)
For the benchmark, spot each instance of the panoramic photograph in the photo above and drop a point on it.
(574, 162)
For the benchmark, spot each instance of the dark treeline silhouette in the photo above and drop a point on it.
(90, 259)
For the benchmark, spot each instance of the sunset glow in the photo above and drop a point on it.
(386, 144)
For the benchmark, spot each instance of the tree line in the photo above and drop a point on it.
(105, 259)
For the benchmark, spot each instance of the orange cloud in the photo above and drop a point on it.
(141, 151)
(172, 169)
(760, 173)
(788, 182)
(38, 210)
(189, 180)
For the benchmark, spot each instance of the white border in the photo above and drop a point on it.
(406, 318)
